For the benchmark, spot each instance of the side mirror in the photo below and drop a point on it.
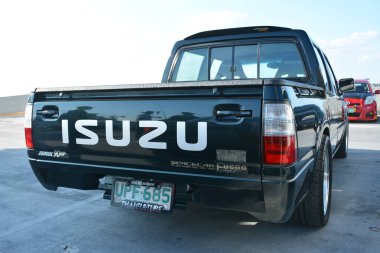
(377, 92)
(346, 84)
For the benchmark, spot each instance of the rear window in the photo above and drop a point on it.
(360, 88)
(270, 60)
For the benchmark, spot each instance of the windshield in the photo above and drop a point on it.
(359, 88)
(270, 60)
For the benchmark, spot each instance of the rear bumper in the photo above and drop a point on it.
(271, 199)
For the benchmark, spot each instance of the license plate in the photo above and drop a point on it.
(351, 110)
(142, 195)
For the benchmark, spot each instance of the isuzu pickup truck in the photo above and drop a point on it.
(245, 119)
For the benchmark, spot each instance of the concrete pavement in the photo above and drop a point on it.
(33, 219)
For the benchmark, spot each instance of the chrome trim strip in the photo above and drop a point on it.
(153, 171)
(32, 159)
(237, 82)
(223, 83)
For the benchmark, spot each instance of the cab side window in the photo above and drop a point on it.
(322, 71)
(333, 80)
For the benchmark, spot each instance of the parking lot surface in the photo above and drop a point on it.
(33, 219)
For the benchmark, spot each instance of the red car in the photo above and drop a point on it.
(361, 102)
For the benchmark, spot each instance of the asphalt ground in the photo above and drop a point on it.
(33, 219)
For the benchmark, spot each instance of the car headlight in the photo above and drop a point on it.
(369, 100)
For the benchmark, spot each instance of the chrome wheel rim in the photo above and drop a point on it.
(326, 183)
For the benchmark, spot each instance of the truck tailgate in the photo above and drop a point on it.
(206, 131)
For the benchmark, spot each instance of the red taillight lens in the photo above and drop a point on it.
(28, 125)
(279, 141)
(29, 138)
(280, 149)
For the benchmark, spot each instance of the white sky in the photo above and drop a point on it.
(67, 43)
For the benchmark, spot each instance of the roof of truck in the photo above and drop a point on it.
(237, 31)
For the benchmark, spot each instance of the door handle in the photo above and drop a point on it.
(50, 112)
(233, 114)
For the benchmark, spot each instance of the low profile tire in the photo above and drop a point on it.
(343, 148)
(314, 210)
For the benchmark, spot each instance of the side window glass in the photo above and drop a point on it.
(322, 70)
(281, 60)
(331, 80)
(334, 82)
(221, 63)
(192, 66)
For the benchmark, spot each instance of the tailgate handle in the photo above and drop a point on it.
(233, 114)
(50, 112)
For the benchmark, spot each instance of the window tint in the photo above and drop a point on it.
(245, 62)
(221, 63)
(331, 79)
(334, 83)
(359, 88)
(276, 60)
(322, 70)
(242, 66)
(281, 60)
(191, 66)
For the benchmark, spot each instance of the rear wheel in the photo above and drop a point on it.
(315, 208)
(343, 148)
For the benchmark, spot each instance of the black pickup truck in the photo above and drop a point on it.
(244, 119)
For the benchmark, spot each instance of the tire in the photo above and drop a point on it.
(343, 148)
(314, 210)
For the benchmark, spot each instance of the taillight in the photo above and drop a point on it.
(279, 139)
(28, 125)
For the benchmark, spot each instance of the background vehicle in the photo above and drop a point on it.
(245, 119)
(361, 102)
